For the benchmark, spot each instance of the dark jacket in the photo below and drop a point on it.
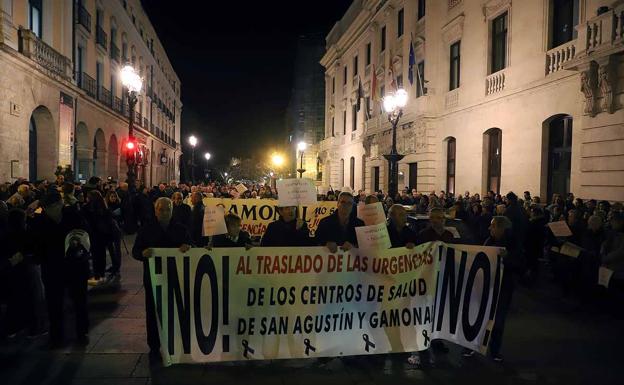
(197, 226)
(223, 240)
(430, 235)
(330, 230)
(281, 233)
(402, 238)
(182, 215)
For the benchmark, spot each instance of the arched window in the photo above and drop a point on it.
(493, 150)
(450, 164)
(559, 136)
(352, 173)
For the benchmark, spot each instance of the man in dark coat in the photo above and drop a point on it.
(197, 220)
(288, 230)
(160, 233)
(435, 231)
(235, 237)
(338, 229)
(181, 211)
(400, 234)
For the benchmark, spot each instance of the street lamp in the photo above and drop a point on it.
(133, 84)
(207, 156)
(393, 105)
(301, 146)
(193, 142)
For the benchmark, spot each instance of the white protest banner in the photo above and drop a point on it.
(371, 214)
(241, 188)
(604, 276)
(214, 221)
(295, 192)
(374, 237)
(560, 229)
(570, 249)
(272, 303)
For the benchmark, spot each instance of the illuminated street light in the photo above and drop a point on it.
(277, 160)
(133, 84)
(301, 146)
(193, 142)
(393, 105)
(207, 156)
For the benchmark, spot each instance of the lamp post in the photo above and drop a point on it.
(193, 142)
(133, 84)
(207, 156)
(301, 146)
(277, 160)
(393, 105)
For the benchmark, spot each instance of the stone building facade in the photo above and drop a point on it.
(62, 101)
(506, 95)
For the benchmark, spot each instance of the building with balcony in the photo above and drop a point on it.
(62, 98)
(504, 95)
(305, 118)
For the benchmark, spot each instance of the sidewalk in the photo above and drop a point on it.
(547, 341)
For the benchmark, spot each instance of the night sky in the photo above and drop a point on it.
(235, 61)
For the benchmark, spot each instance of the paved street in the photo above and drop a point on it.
(548, 341)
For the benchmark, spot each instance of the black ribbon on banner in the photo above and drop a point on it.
(427, 339)
(308, 347)
(247, 349)
(369, 343)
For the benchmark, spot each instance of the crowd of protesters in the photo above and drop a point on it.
(56, 237)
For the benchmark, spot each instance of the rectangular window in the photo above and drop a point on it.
(421, 9)
(344, 77)
(499, 43)
(36, 17)
(494, 160)
(413, 175)
(400, 23)
(354, 117)
(454, 66)
(344, 122)
(383, 38)
(333, 85)
(79, 65)
(399, 80)
(376, 178)
(420, 79)
(352, 173)
(368, 54)
(450, 165)
(355, 65)
(99, 74)
(382, 92)
(564, 17)
(333, 126)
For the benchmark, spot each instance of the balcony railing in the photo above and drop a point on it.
(495, 82)
(88, 84)
(117, 105)
(34, 48)
(83, 17)
(114, 52)
(104, 96)
(604, 32)
(100, 37)
(558, 56)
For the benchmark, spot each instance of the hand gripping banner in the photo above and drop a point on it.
(271, 303)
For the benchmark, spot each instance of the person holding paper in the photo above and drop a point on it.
(338, 229)
(235, 237)
(157, 234)
(400, 234)
(288, 230)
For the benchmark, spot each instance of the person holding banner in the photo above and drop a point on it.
(338, 229)
(197, 220)
(288, 230)
(161, 233)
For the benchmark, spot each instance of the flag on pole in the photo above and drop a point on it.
(412, 63)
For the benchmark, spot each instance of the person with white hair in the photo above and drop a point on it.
(160, 233)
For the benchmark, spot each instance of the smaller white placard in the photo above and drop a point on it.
(241, 188)
(372, 238)
(295, 192)
(571, 250)
(560, 229)
(214, 221)
(604, 276)
(371, 214)
(453, 231)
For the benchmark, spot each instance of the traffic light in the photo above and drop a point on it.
(130, 146)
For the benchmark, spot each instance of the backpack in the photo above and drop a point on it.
(77, 245)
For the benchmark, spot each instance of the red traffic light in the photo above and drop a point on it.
(130, 145)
